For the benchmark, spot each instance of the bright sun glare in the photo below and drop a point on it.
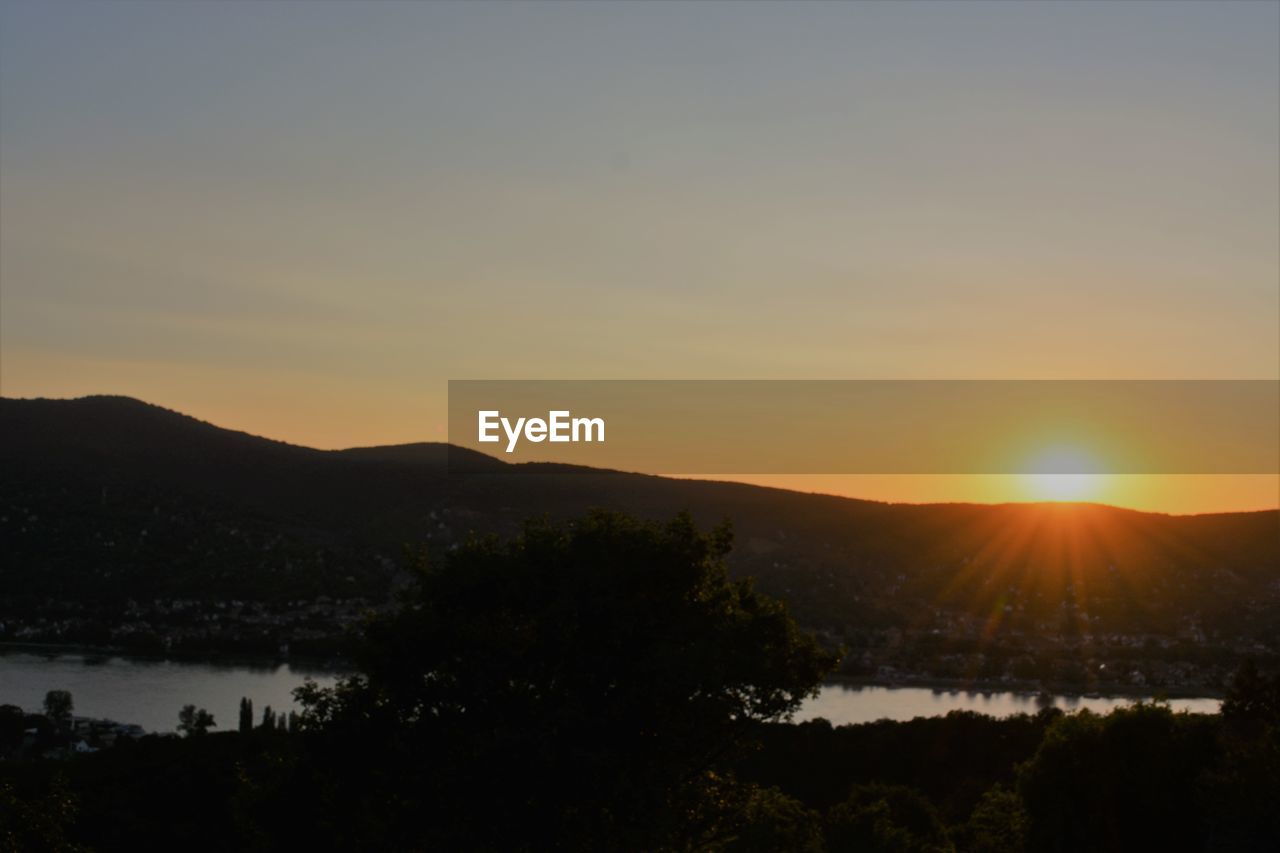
(1064, 474)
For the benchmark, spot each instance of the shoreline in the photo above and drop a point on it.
(338, 666)
(1029, 688)
(331, 666)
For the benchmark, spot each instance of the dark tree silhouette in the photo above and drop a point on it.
(246, 715)
(58, 706)
(194, 721)
(1126, 781)
(38, 822)
(590, 677)
(886, 819)
(1251, 695)
(998, 824)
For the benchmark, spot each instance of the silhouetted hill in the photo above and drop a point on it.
(108, 499)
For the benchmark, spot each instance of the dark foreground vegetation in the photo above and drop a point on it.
(604, 685)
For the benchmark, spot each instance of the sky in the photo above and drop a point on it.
(302, 219)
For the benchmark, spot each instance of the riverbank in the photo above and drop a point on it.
(339, 666)
(332, 665)
(1102, 690)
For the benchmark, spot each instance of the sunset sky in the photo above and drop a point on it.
(300, 220)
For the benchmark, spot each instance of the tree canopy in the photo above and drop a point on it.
(58, 706)
(194, 721)
(589, 677)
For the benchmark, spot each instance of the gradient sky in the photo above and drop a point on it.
(300, 219)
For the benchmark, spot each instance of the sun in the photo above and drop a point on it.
(1065, 487)
(1064, 474)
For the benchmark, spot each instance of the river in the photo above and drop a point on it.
(151, 692)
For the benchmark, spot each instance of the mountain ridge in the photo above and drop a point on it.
(436, 453)
(104, 500)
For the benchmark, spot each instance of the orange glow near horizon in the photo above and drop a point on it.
(1056, 474)
(301, 414)
(1175, 494)
(1067, 487)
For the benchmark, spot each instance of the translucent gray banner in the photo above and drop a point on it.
(711, 427)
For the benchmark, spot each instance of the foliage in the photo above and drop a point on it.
(1252, 695)
(952, 760)
(12, 726)
(39, 822)
(885, 819)
(193, 721)
(58, 706)
(587, 676)
(999, 824)
(1240, 793)
(262, 791)
(768, 821)
(1124, 781)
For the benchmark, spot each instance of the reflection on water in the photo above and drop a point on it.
(850, 703)
(151, 692)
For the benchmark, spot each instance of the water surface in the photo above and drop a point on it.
(849, 703)
(151, 692)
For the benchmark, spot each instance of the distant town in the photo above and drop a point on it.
(946, 648)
